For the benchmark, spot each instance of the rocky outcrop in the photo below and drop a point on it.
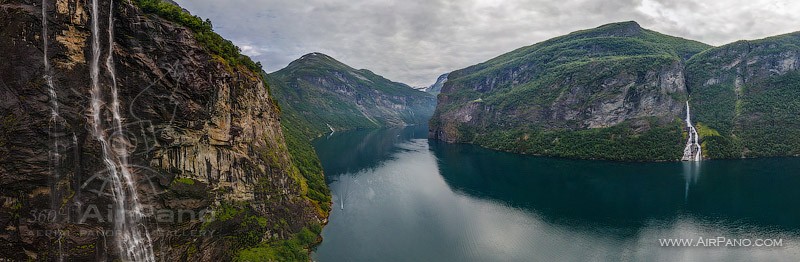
(602, 102)
(204, 135)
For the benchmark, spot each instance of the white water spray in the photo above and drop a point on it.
(133, 240)
(693, 150)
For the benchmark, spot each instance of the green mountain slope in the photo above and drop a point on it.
(612, 92)
(745, 96)
(319, 94)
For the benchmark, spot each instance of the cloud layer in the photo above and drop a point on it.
(414, 41)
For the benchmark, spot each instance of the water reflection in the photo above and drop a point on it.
(400, 197)
(562, 191)
(352, 151)
(691, 171)
(756, 191)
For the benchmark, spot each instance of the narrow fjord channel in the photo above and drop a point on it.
(411, 199)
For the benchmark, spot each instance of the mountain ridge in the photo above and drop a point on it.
(617, 87)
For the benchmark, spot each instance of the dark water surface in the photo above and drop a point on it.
(400, 197)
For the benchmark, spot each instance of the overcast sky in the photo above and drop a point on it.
(414, 41)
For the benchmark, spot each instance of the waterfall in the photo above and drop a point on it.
(55, 129)
(48, 77)
(55, 119)
(132, 239)
(693, 150)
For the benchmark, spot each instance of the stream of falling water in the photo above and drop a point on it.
(55, 129)
(693, 150)
(132, 239)
(48, 76)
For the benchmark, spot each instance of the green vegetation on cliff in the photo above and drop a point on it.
(619, 142)
(612, 92)
(203, 32)
(244, 226)
(306, 160)
(747, 91)
(293, 249)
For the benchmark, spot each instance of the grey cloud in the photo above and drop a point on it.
(414, 41)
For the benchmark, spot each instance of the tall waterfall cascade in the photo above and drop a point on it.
(55, 129)
(693, 150)
(132, 237)
(56, 122)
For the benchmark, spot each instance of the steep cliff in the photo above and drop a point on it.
(744, 95)
(321, 95)
(436, 88)
(613, 92)
(200, 130)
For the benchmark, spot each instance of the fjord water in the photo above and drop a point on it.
(399, 197)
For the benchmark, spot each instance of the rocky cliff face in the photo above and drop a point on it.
(613, 89)
(744, 95)
(616, 97)
(329, 95)
(203, 134)
(436, 88)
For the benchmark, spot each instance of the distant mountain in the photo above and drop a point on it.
(320, 94)
(745, 97)
(436, 88)
(613, 92)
